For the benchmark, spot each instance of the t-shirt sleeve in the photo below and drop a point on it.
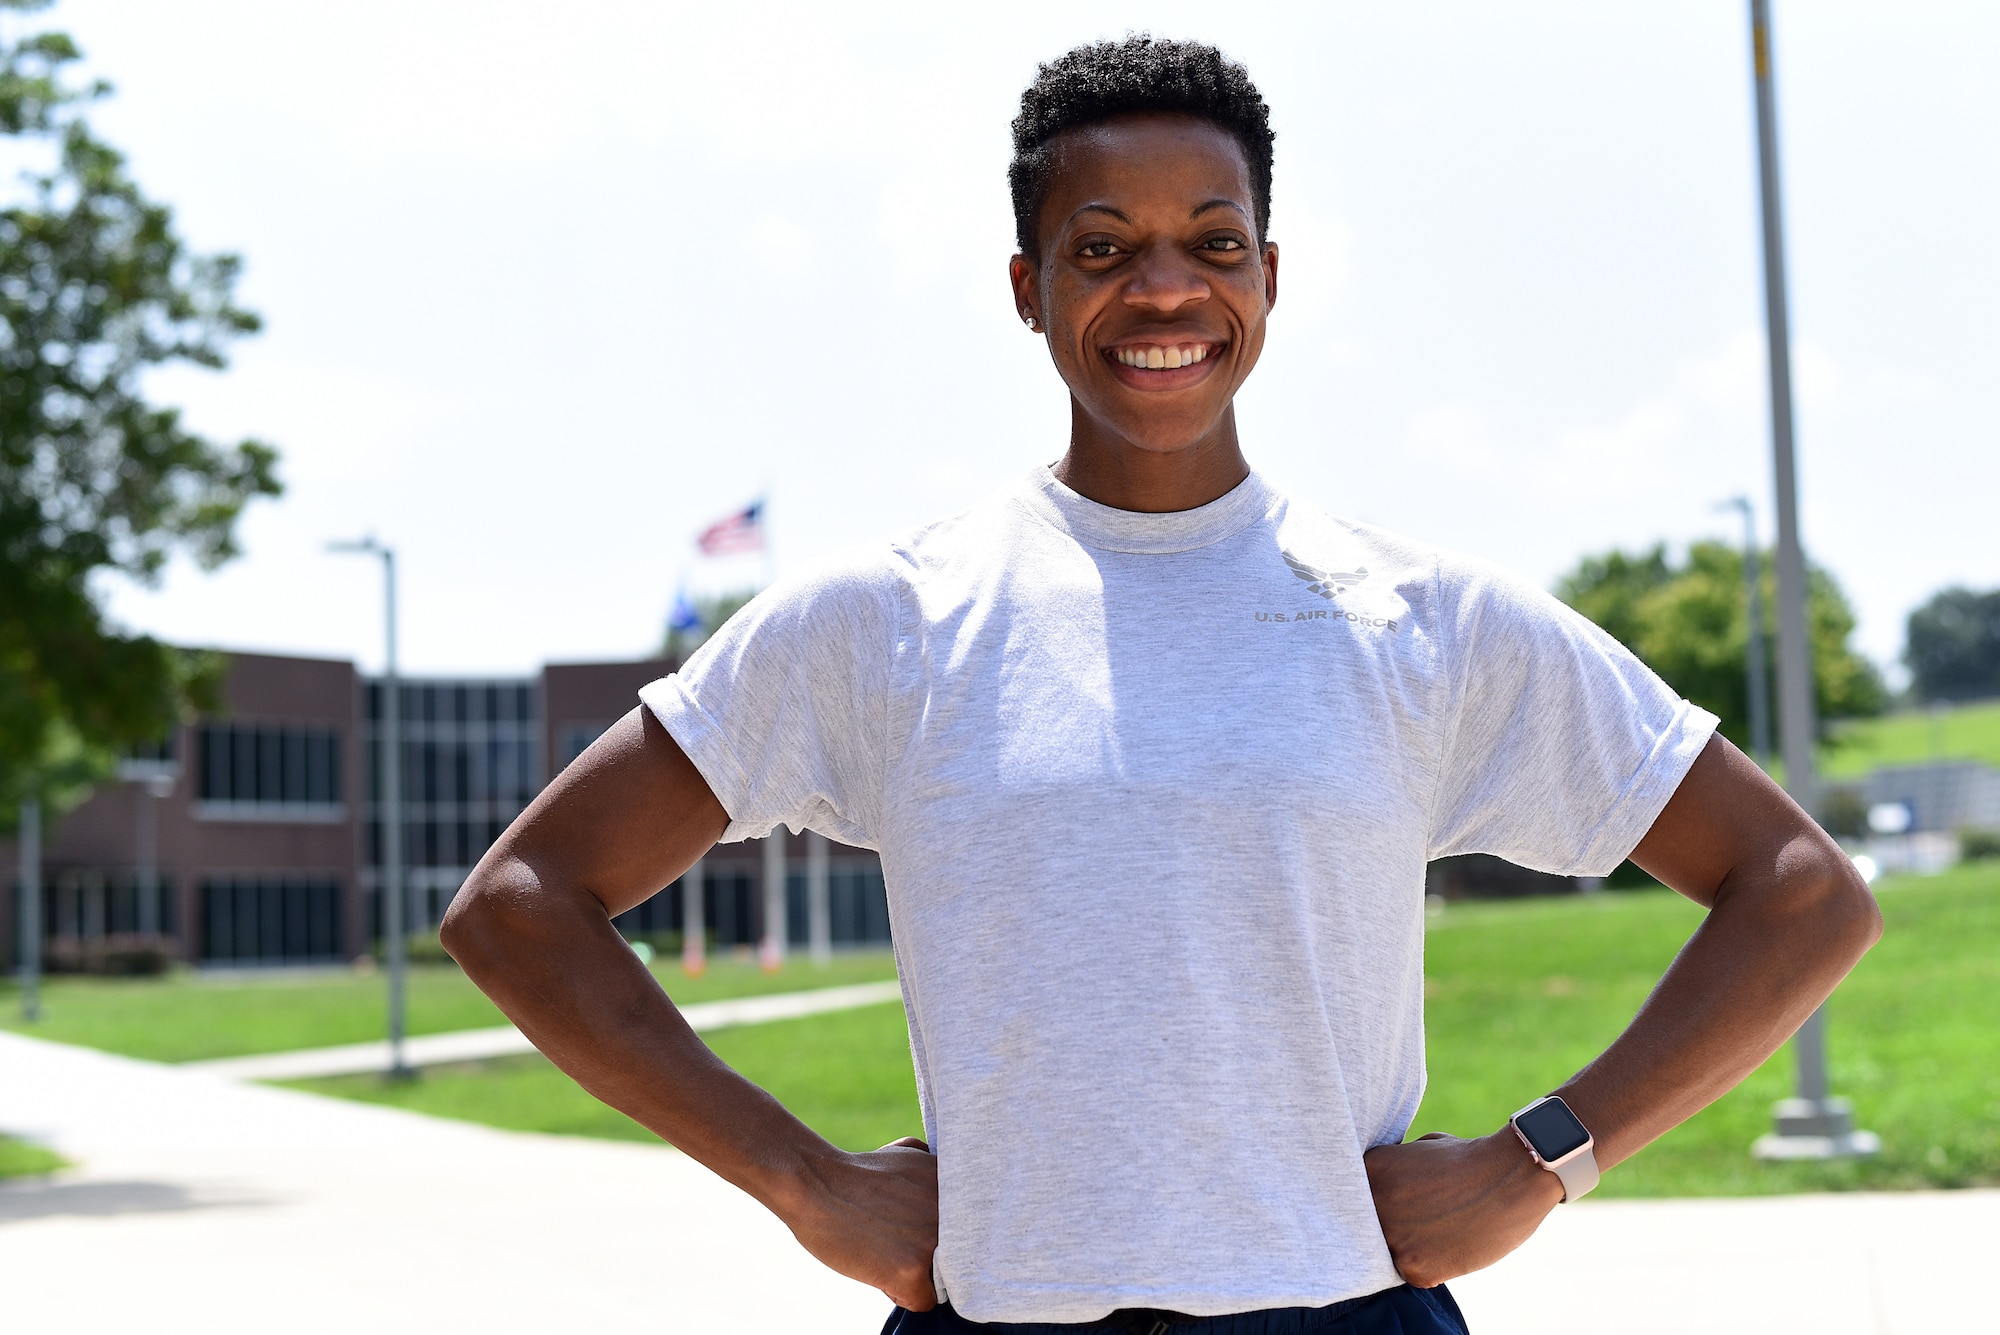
(1561, 748)
(783, 710)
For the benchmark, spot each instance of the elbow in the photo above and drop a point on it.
(1841, 905)
(469, 921)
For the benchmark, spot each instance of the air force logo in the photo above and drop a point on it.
(1326, 583)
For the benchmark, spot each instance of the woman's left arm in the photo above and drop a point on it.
(1788, 918)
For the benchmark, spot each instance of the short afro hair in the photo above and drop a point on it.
(1096, 83)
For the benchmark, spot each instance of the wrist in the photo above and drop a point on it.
(1521, 1178)
(797, 1179)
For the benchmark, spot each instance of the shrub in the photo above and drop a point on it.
(418, 948)
(1976, 844)
(121, 954)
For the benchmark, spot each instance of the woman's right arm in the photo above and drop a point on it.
(532, 927)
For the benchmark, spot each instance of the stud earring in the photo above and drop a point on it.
(1033, 328)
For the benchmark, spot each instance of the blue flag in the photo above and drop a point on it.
(684, 617)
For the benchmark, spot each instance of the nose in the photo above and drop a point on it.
(1165, 279)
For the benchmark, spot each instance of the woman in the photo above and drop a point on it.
(1155, 757)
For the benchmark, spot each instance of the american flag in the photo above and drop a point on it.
(741, 532)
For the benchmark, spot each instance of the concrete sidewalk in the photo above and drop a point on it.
(205, 1205)
(202, 1204)
(505, 1040)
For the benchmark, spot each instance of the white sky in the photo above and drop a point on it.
(550, 288)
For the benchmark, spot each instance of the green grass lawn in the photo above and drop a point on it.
(20, 1159)
(1521, 995)
(1968, 732)
(847, 1075)
(190, 1016)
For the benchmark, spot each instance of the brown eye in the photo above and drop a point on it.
(1223, 243)
(1099, 250)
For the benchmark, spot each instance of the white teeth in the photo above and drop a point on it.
(1162, 358)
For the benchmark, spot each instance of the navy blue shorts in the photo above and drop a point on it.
(1398, 1311)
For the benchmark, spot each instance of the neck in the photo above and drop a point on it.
(1111, 470)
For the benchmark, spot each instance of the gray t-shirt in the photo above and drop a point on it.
(1154, 794)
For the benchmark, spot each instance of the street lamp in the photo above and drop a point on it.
(395, 927)
(152, 778)
(1758, 677)
(1812, 1125)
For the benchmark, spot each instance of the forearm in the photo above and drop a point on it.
(1780, 936)
(549, 957)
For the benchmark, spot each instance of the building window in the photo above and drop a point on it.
(270, 920)
(576, 739)
(269, 764)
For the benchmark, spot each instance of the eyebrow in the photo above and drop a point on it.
(1199, 209)
(1101, 208)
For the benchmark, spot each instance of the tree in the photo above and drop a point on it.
(1953, 645)
(95, 288)
(694, 620)
(1690, 624)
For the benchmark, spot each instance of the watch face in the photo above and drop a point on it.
(1552, 1129)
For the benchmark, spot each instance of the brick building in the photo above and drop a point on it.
(253, 836)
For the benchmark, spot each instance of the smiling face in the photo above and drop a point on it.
(1152, 289)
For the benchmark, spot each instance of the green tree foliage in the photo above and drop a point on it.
(1689, 622)
(95, 289)
(1953, 645)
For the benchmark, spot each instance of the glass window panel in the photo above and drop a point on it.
(243, 764)
(214, 763)
(270, 765)
(292, 752)
(244, 897)
(298, 913)
(214, 922)
(270, 920)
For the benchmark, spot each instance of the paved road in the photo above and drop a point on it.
(203, 1204)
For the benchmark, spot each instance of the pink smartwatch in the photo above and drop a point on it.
(1560, 1143)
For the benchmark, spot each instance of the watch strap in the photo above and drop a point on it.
(1578, 1174)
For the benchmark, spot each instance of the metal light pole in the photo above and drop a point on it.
(1813, 1125)
(151, 780)
(30, 908)
(694, 930)
(819, 914)
(1756, 672)
(771, 951)
(395, 917)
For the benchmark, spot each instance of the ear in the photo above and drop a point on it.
(1023, 278)
(1270, 274)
